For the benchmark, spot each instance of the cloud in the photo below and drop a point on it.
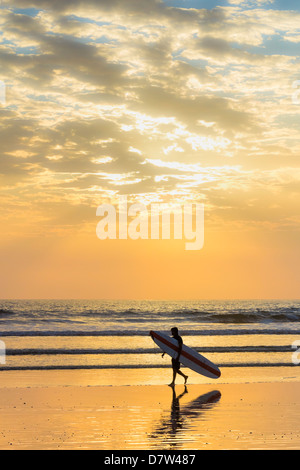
(201, 96)
(190, 110)
(251, 3)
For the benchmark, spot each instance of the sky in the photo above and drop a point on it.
(175, 101)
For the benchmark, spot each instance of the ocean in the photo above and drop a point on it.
(90, 334)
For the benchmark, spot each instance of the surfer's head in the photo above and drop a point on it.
(174, 331)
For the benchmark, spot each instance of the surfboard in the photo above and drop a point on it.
(189, 357)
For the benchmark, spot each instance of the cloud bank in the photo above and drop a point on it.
(161, 103)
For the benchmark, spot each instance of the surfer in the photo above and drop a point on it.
(176, 361)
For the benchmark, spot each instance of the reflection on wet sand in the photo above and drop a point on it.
(171, 432)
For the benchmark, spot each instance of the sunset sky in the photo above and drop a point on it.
(169, 101)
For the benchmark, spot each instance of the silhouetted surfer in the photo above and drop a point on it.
(176, 361)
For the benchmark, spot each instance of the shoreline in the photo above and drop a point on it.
(145, 377)
(55, 411)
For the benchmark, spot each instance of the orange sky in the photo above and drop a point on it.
(163, 104)
(231, 265)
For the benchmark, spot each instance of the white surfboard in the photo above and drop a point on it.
(188, 357)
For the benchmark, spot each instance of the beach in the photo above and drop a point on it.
(39, 412)
(87, 375)
(150, 220)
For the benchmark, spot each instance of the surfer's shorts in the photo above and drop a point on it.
(175, 364)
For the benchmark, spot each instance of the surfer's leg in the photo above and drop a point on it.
(183, 375)
(174, 373)
(174, 378)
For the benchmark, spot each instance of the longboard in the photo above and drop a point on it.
(188, 357)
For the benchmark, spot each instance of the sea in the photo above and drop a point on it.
(43, 335)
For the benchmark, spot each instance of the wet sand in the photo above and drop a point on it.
(40, 412)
